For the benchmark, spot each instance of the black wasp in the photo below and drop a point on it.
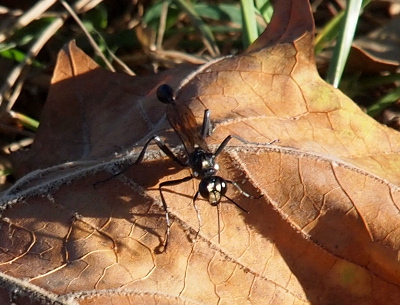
(199, 158)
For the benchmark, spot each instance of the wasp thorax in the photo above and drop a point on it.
(203, 163)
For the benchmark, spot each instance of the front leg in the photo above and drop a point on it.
(165, 206)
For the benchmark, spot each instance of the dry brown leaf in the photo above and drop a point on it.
(326, 230)
(378, 51)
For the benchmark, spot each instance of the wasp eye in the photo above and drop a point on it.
(165, 94)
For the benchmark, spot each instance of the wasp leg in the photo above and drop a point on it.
(206, 129)
(165, 206)
(197, 213)
(160, 143)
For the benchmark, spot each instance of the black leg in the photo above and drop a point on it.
(206, 130)
(199, 218)
(165, 206)
(197, 213)
(139, 160)
(160, 143)
(241, 191)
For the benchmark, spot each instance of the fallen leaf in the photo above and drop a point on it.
(378, 51)
(325, 231)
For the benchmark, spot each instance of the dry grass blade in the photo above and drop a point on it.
(35, 12)
(89, 37)
(32, 53)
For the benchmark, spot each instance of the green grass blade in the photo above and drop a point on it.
(26, 121)
(209, 39)
(220, 12)
(343, 44)
(332, 29)
(328, 33)
(250, 32)
(379, 80)
(384, 102)
(265, 8)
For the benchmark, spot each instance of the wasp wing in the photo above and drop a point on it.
(184, 123)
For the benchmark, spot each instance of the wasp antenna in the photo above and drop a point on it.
(231, 200)
(219, 224)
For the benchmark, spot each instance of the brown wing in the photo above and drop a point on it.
(184, 123)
